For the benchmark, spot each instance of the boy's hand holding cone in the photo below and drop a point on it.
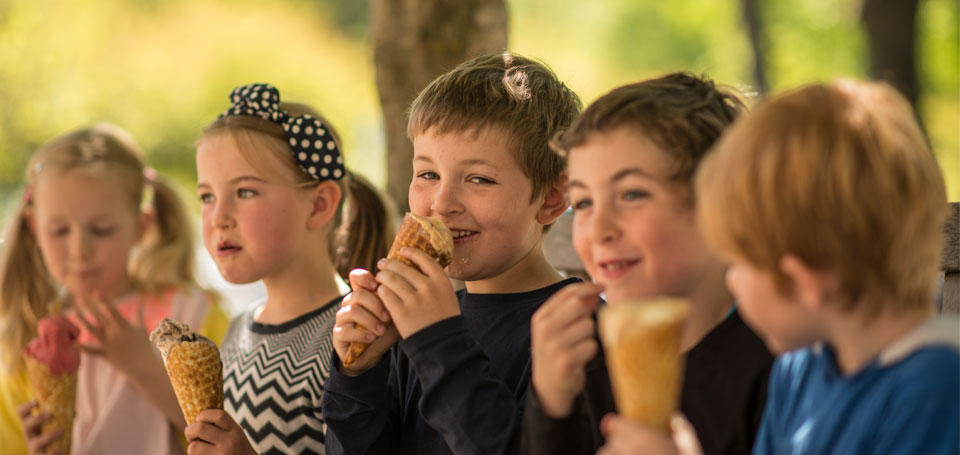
(52, 360)
(193, 364)
(427, 234)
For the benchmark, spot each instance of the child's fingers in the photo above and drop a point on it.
(346, 334)
(397, 285)
(390, 300)
(107, 310)
(218, 418)
(33, 424)
(579, 331)
(200, 447)
(584, 350)
(90, 349)
(427, 263)
(39, 445)
(353, 315)
(369, 301)
(362, 279)
(90, 327)
(25, 409)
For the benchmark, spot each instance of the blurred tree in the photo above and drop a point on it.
(752, 20)
(414, 41)
(891, 38)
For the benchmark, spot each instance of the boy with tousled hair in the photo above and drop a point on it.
(456, 382)
(631, 157)
(833, 229)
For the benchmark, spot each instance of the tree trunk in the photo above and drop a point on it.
(752, 19)
(415, 41)
(891, 34)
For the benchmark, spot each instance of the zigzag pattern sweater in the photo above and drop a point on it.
(273, 379)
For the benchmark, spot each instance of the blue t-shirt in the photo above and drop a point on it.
(906, 401)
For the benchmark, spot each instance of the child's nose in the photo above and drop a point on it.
(605, 226)
(447, 200)
(81, 246)
(223, 216)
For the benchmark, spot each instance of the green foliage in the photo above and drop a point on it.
(163, 69)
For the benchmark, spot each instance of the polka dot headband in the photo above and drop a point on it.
(312, 145)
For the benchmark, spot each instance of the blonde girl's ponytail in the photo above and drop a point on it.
(366, 229)
(165, 254)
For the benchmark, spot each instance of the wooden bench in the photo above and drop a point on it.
(559, 251)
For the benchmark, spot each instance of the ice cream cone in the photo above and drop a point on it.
(194, 366)
(56, 394)
(52, 360)
(641, 340)
(427, 234)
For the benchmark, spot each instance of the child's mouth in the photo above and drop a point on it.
(227, 248)
(461, 236)
(616, 269)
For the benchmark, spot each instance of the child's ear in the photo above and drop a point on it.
(554, 201)
(813, 287)
(326, 199)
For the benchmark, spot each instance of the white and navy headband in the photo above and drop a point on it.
(312, 145)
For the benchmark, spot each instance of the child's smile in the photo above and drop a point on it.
(473, 183)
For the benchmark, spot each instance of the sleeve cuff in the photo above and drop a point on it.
(373, 379)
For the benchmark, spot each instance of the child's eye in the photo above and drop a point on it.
(581, 204)
(428, 175)
(632, 195)
(246, 193)
(206, 198)
(103, 231)
(480, 180)
(59, 231)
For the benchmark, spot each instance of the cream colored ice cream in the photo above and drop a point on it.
(641, 339)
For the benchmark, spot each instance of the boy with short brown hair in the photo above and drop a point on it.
(829, 206)
(457, 381)
(631, 157)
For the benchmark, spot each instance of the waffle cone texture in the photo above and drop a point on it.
(197, 376)
(56, 395)
(425, 234)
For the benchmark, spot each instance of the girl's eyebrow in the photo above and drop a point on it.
(234, 181)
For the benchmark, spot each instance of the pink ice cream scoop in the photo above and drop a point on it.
(56, 345)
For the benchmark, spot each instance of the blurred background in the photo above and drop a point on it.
(163, 69)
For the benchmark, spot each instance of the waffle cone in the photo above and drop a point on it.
(423, 233)
(197, 376)
(641, 340)
(56, 395)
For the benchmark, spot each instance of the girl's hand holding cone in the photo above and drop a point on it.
(38, 442)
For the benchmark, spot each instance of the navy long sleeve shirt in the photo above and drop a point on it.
(457, 386)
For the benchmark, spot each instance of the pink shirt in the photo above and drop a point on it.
(112, 416)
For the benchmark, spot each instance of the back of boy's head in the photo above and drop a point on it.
(361, 230)
(839, 176)
(681, 113)
(164, 256)
(518, 96)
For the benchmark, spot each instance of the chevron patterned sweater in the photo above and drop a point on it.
(273, 379)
